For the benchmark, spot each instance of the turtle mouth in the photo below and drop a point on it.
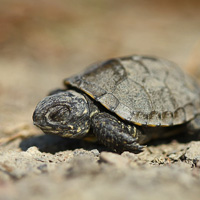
(49, 130)
(53, 130)
(42, 126)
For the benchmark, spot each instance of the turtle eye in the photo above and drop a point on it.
(59, 114)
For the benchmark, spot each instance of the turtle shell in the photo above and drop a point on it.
(141, 89)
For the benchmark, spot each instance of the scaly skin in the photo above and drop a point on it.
(115, 134)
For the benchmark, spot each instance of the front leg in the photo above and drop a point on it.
(115, 134)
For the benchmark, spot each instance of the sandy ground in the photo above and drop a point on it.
(43, 43)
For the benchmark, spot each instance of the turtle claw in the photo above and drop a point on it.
(133, 147)
(141, 147)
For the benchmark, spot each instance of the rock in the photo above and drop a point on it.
(193, 151)
(114, 159)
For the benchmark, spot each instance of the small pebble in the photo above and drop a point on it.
(193, 151)
(114, 159)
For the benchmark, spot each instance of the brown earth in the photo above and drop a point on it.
(41, 43)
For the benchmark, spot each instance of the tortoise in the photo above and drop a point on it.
(124, 102)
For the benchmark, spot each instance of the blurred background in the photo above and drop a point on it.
(43, 42)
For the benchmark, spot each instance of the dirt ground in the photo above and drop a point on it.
(41, 43)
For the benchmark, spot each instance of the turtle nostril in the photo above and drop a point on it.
(37, 121)
(35, 118)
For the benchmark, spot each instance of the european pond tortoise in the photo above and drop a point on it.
(123, 102)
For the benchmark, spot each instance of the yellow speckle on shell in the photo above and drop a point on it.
(152, 125)
(139, 124)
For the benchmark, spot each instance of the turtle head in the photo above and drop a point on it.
(65, 114)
